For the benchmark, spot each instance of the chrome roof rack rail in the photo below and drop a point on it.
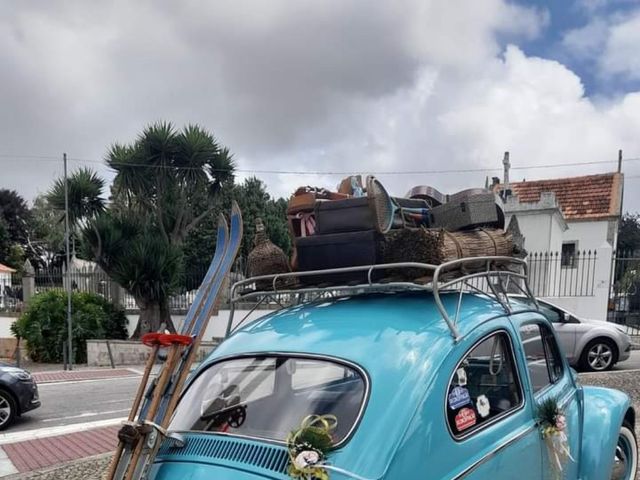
(493, 277)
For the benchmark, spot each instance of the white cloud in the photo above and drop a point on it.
(621, 52)
(325, 86)
(610, 41)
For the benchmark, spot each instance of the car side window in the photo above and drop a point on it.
(484, 386)
(543, 356)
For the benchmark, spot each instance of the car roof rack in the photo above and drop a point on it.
(494, 277)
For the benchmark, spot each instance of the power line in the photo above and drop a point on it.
(319, 172)
(355, 172)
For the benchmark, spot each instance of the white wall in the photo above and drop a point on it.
(217, 323)
(542, 230)
(588, 235)
(5, 325)
(215, 329)
(592, 306)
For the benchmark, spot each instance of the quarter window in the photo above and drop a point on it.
(543, 356)
(484, 386)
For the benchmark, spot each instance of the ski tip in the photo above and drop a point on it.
(235, 208)
(222, 222)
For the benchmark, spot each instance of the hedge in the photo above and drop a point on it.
(44, 324)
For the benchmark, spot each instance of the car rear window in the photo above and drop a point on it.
(267, 397)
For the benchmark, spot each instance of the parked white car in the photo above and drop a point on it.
(589, 345)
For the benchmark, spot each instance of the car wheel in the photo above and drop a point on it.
(7, 409)
(625, 461)
(599, 355)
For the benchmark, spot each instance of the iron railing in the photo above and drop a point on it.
(554, 274)
(624, 303)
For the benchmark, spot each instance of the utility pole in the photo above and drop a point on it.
(68, 275)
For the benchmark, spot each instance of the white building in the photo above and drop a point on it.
(5, 282)
(570, 226)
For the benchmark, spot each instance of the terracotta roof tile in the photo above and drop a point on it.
(5, 269)
(587, 197)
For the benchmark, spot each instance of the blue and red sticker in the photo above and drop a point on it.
(458, 397)
(465, 418)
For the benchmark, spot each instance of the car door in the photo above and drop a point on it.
(489, 417)
(549, 377)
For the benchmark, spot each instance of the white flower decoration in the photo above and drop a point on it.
(307, 458)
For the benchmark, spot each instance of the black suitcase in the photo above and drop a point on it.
(342, 216)
(337, 250)
(469, 209)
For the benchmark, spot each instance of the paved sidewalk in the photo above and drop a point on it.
(32, 455)
(78, 375)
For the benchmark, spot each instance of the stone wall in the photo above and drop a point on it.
(126, 352)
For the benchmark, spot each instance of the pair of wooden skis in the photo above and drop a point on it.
(150, 413)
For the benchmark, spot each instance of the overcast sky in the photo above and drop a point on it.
(328, 86)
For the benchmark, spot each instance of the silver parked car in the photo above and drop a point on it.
(590, 345)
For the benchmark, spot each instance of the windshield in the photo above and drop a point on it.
(267, 397)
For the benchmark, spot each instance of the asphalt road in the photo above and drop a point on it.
(632, 364)
(79, 402)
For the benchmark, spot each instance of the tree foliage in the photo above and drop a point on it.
(85, 196)
(629, 233)
(15, 213)
(14, 233)
(254, 201)
(44, 324)
(173, 177)
(46, 233)
(5, 242)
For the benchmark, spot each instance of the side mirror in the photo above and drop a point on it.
(566, 317)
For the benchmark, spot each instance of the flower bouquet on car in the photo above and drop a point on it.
(553, 426)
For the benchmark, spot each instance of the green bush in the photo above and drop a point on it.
(44, 324)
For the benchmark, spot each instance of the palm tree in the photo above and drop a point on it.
(166, 183)
(169, 175)
(85, 190)
(85, 198)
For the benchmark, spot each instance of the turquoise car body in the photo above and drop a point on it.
(409, 356)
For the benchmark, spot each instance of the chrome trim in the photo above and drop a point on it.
(494, 452)
(492, 421)
(327, 358)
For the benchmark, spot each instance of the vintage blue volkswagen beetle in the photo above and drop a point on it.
(426, 382)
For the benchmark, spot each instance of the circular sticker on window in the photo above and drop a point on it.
(482, 404)
(465, 418)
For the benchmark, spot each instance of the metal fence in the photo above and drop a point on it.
(95, 280)
(551, 274)
(11, 295)
(624, 304)
(561, 274)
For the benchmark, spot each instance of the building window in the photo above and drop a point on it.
(568, 255)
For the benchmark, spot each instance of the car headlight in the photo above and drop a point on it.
(20, 374)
